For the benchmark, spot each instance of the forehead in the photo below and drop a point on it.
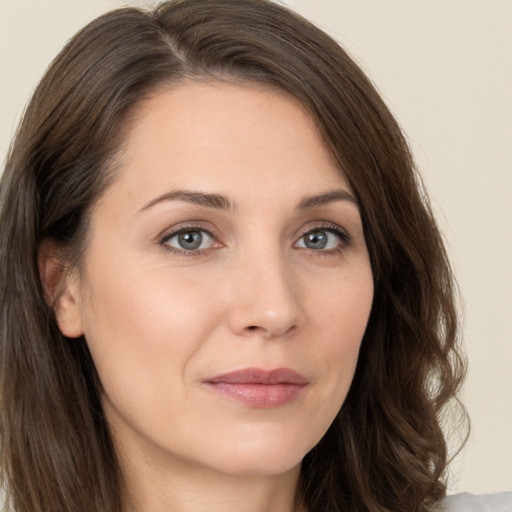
(222, 135)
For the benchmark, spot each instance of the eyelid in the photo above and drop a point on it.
(169, 233)
(342, 233)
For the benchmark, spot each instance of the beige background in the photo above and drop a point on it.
(444, 67)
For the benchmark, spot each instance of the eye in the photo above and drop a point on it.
(323, 239)
(189, 240)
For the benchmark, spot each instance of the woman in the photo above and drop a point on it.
(222, 285)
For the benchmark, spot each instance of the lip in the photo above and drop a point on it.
(259, 388)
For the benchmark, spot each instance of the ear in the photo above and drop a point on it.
(61, 289)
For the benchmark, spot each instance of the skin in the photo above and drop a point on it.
(160, 319)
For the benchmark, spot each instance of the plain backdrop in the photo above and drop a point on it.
(444, 68)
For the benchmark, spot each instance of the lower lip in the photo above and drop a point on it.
(264, 396)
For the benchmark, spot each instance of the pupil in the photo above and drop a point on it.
(190, 239)
(316, 240)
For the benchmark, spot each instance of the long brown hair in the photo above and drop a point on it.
(385, 450)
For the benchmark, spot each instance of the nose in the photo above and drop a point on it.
(265, 298)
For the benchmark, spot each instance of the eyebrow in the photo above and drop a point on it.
(220, 202)
(216, 201)
(326, 198)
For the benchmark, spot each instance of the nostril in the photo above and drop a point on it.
(252, 327)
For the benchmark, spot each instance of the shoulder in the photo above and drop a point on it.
(466, 502)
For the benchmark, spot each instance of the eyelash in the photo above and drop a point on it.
(185, 229)
(344, 237)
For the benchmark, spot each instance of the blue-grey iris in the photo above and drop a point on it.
(315, 240)
(190, 240)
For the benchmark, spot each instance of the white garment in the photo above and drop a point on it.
(466, 502)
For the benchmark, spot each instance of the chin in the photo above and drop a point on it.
(262, 465)
(262, 456)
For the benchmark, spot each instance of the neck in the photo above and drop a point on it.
(157, 483)
(204, 490)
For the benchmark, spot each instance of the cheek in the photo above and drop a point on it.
(340, 319)
(339, 310)
(338, 316)
(144, 330)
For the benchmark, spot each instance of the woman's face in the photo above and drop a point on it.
(226, 285)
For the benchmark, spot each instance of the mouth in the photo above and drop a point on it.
(259, 388)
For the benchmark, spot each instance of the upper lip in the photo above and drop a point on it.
(260, 376)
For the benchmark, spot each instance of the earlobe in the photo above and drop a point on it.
(61, 289)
